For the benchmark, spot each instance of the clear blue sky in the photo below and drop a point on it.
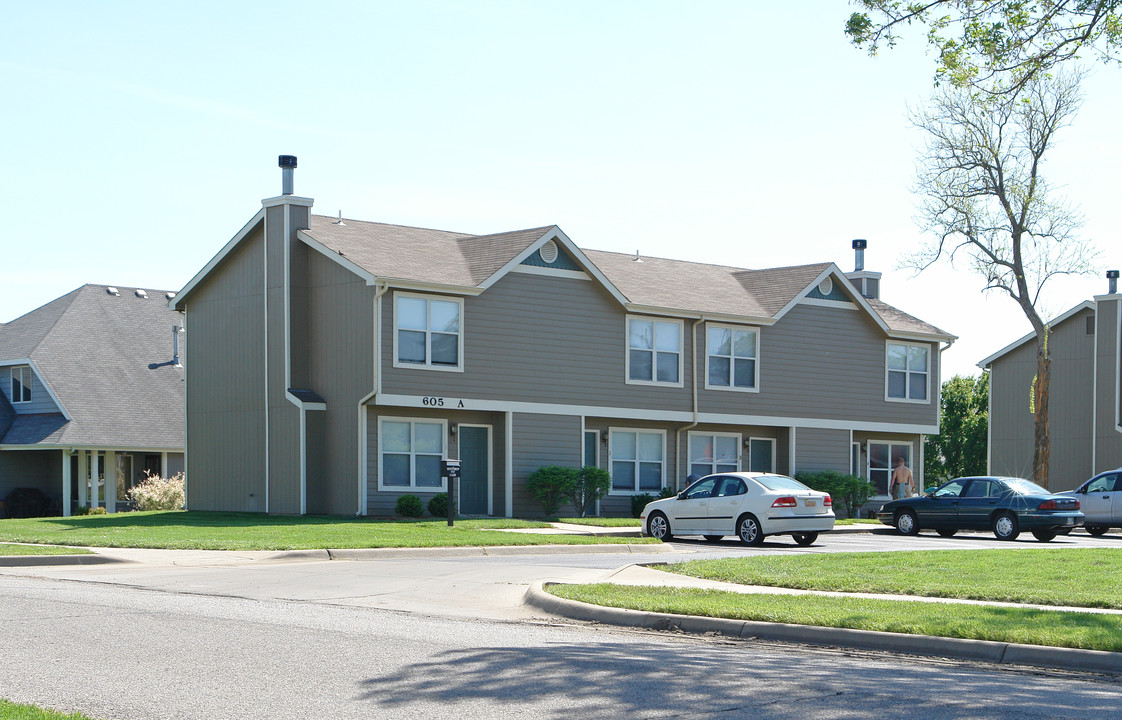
(138, 137)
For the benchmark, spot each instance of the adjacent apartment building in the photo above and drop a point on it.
(335, 362)
(1085, 403)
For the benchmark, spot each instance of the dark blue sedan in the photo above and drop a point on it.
(1002, 504)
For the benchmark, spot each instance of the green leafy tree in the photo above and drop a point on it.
(995, 46)
(551, 485)
(589, 485)
(959, 449)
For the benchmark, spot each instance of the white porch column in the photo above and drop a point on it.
(65, 483)
(164, 465)
(94, 458)
(110, 481)
(83, 477)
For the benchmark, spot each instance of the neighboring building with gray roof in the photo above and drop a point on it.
(90, 386)
(335, 362)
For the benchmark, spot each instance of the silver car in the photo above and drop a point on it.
(1100, 498)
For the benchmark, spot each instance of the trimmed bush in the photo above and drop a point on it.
(157, 493)
(551, 485)
(89, 511)
(409, 506)
(666, 492)
(638, 502)
(589, 485)
(438, 505)
(848, 491)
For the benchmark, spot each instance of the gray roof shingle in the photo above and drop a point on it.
(107, 358)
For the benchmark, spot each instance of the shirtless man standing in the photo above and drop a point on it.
(901, 485)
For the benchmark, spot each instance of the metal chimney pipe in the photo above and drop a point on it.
(287, 164)
(859, 255)
(1112, 280)
(175, 330)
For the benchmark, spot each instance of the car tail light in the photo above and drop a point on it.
(1053, 505)
(829, 501)
(1047, 505)
(785, 501)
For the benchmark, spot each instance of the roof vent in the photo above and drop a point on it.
(637, 258)
(141, 294)
(1112, 279)
(287, 164)
(113, 291)
(340, 220)
(169, 295)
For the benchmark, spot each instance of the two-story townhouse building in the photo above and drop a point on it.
(1085, 403)
(91, 396)
(335, 362)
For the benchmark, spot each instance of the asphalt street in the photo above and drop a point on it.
(394, 637)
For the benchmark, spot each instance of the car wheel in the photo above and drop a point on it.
(1006, 527)
(947, 532)
(906, 523)
(714, 538)
(1044, 535)
(658, 527)
(749, 531)
(805, 539)
(1096, 530)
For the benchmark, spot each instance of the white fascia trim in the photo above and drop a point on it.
(42, 381)
(176, 302)
(669, 416)
(922, 337)
(304, 404)
(834, 272)
(287, 200)
(690, 315)
(555, 234)
(552, 272)
(330, 254)
(70, 446)
(1085, 305)
(836, 304)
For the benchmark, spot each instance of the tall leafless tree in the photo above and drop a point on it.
(985, 197)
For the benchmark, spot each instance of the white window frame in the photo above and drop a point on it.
(911, 461)
(26, 376)
(770, 441)
(611, 458)
(907, 374)
(428, 364)
(654, 351)
(713, 465)
(412, 486)
(755, 380)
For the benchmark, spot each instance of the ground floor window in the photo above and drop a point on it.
(411, 451)
(883, 457)
(638, 459)
(712, 453)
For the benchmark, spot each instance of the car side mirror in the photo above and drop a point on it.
(682, 495)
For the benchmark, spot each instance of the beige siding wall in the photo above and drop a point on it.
(226, 385)
(541, 440)
(1108, 433)
(817, 449)
(284, 417)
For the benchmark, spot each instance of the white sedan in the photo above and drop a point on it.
(750, 505)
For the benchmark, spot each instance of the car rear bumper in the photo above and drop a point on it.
(797, 523)
(1038, 520)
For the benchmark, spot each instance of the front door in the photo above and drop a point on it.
(475, 468)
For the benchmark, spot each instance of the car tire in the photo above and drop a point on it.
(947, 532)
(1044, 535)
(906, 523)
(749, 531)
(806, 538)
(714, 538)
(658, 527)
(1006, 527)
(1096, 530)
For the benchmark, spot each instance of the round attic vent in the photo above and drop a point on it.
(548, 251)
(826, 286)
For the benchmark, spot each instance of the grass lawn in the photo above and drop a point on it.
(7, 549)
(249, 531)
(1018, 625)
(859, 521)
(14, 711)
(601, 522)
(1082, 577)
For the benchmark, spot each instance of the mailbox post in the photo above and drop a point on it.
(450, 469)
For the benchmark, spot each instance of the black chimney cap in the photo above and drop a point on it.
(1111, 274)
(859, 244)
(286, 161)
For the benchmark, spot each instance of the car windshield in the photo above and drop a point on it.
(780, 482)
(1026, 487)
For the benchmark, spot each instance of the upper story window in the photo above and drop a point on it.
(428, 332)
(907, 369)
(654, 351)
(731, 358)
(21, 384)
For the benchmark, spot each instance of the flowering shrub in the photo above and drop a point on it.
(157, 493)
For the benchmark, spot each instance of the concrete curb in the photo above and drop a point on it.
(38, 560)
(490, 551)
(998, 653)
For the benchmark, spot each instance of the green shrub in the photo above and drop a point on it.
(848, 491)
(638, 502)
(589, 485)
(89, 511)
(666, 492)
(157, 493)
(438, 505)
(409, 506)
(551, 485)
